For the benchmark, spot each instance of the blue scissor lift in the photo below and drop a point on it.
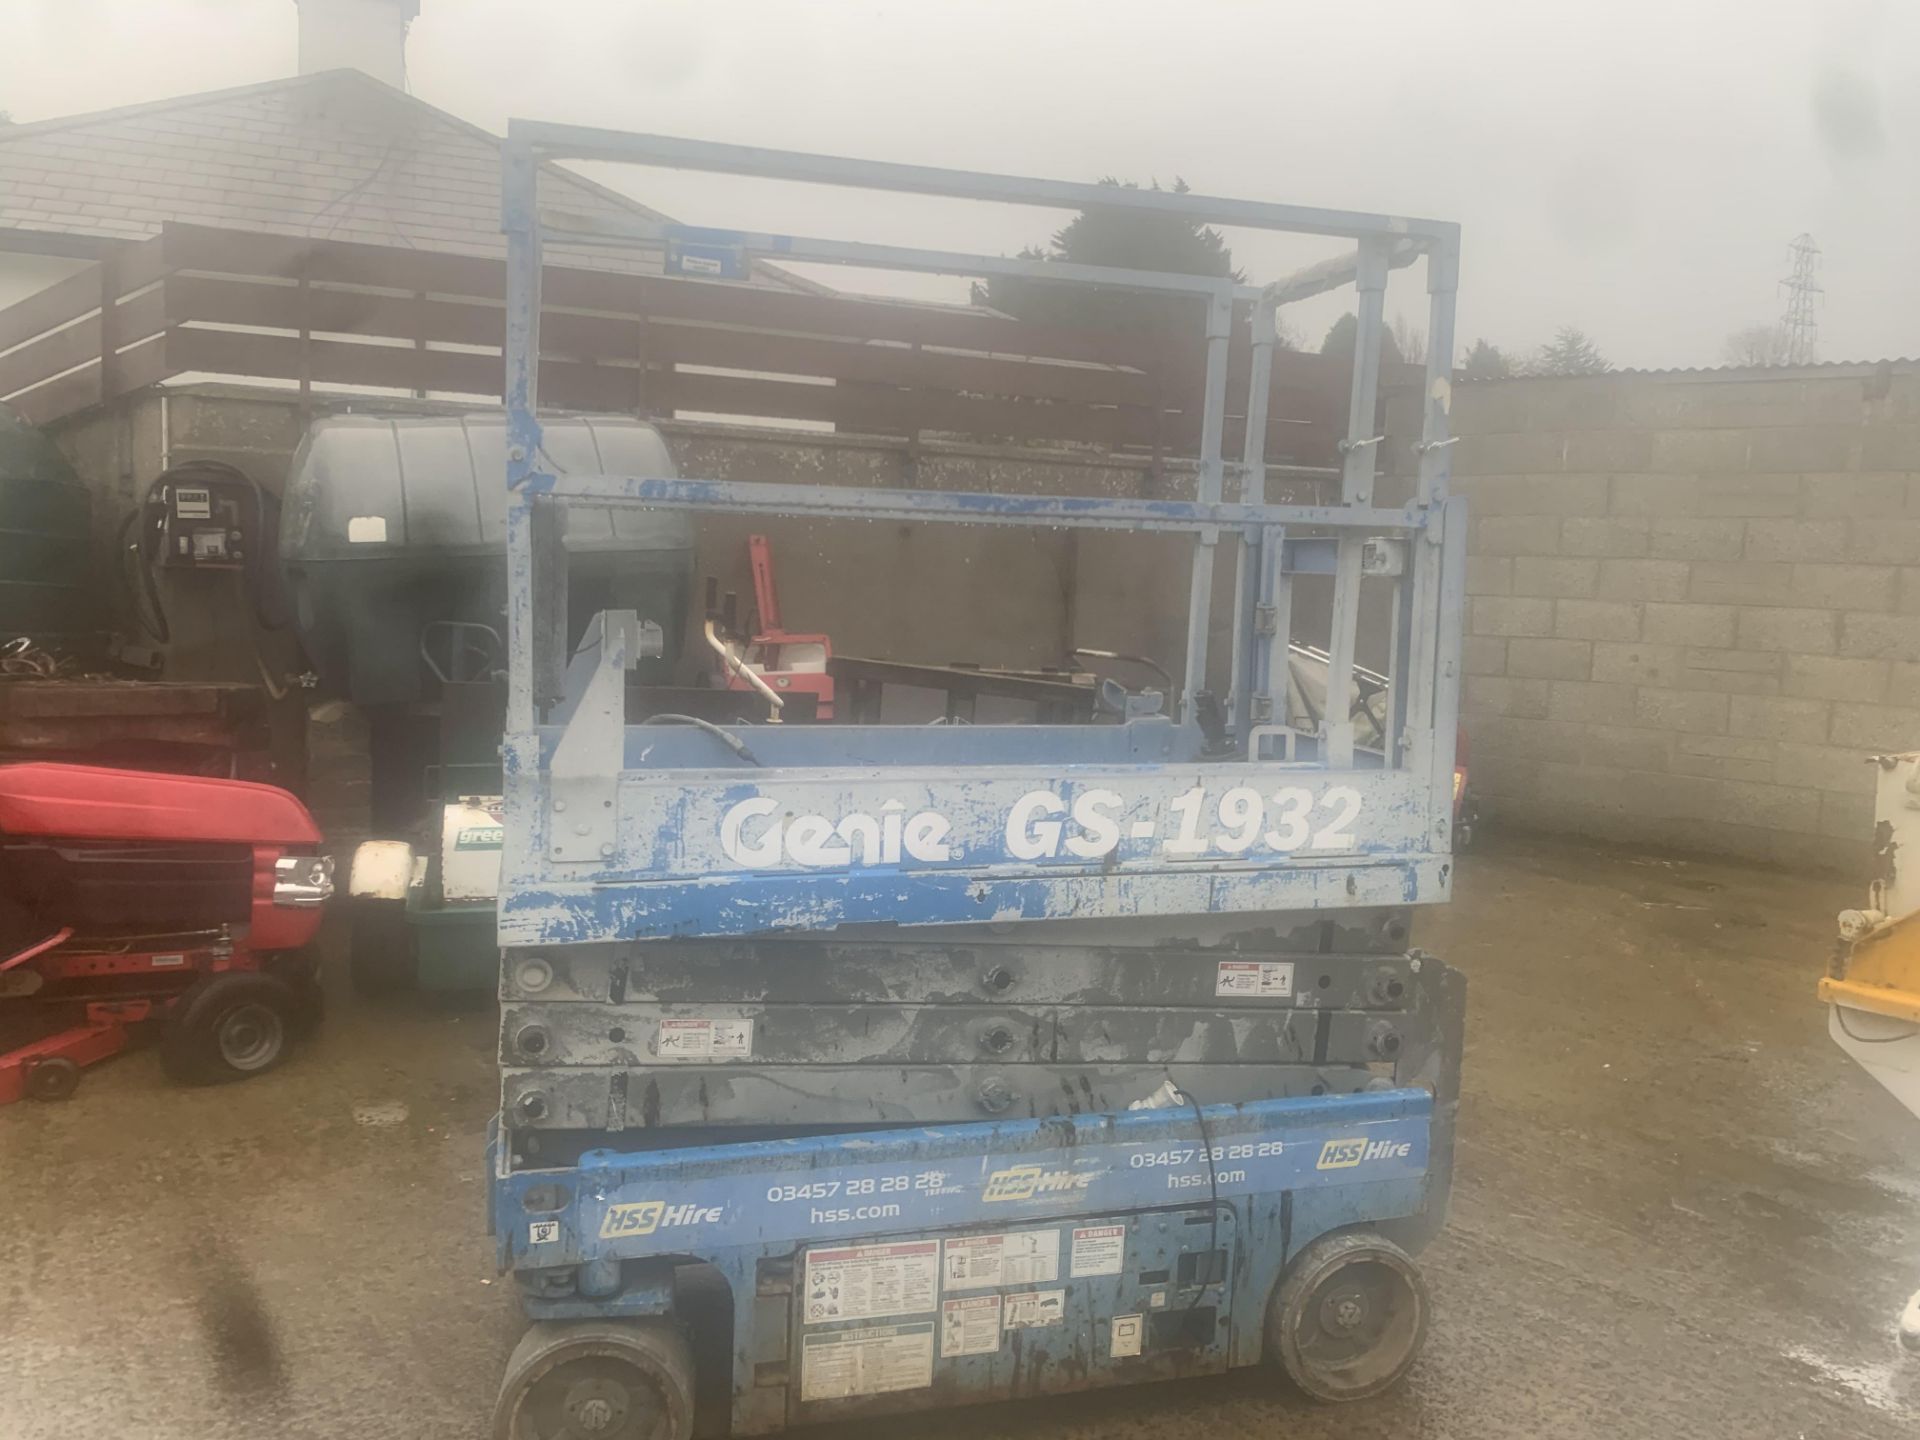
(865, 1068)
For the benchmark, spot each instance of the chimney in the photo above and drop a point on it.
(368, 35)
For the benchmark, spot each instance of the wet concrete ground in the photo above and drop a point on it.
(1680, 1211)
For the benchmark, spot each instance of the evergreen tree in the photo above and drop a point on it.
(1570, 352)
(1486, 361)
(1136, 240)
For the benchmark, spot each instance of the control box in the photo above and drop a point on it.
(202, 527)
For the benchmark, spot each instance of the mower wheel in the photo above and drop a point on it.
(300, 969)
(383, 956)
(54, 1078)
(229, 1026)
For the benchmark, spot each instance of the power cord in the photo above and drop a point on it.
(1213, 1187)
(136, 576)
(732, 742)
(1840, 1018)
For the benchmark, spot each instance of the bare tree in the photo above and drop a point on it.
(1759, 345)
(1409, 340)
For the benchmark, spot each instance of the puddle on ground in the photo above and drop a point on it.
(1888, 1385)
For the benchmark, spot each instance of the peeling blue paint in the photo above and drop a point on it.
(562, 913)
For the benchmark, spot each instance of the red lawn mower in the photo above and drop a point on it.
(782, 661)
(132, 901)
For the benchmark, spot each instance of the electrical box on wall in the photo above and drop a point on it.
(202, 526)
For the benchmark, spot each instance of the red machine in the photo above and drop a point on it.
(785, 659)
(128, 898)
(1466, 808)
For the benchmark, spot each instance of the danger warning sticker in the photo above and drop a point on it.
(866, 1282)
(869, 1361)
(704, 1040)
(970, 1326)
(1015, 1257)
(1264, 979)
(1035, 1308)
(1099, 1250)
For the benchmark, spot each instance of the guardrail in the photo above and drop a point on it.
(323, 315)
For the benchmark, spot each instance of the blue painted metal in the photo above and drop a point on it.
(629, 1205)
(1149, 740)
(1120, 1218)
(623, 833)
(962, 506)
(1253, 590)
(706, 255)
(581, 912)
(549, 857)
(587, 143)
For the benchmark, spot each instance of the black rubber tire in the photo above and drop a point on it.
(622, 1364)
(1303, 1318)
(300, 969)
(229, 1026)
(383, 953)
(55, 1078)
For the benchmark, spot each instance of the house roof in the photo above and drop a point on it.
(335, 155)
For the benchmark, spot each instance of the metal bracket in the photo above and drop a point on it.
(1287, 735)
(693, 253)
(1266, 620)
(1319, 554)
(1383, 557)
(586, 765)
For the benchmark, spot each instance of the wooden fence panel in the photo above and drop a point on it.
(333, 313)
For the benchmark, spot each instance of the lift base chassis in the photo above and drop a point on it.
(904, 1268)
(926, 1252)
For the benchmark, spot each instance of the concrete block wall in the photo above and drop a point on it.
(1694, 603)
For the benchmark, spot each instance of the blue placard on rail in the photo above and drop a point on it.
(649, 1209)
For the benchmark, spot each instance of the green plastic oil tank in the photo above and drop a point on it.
(46, 554)
(393, 526)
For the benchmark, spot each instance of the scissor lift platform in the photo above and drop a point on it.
(860, 1067)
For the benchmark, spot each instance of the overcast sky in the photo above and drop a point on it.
(1633, 167)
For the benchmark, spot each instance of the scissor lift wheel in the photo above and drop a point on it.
(1348, 1319)
(597, 1380)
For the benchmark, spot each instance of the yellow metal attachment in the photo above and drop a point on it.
(1881, 972)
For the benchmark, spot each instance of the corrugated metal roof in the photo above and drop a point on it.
(1818, 370)
(335, 155)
